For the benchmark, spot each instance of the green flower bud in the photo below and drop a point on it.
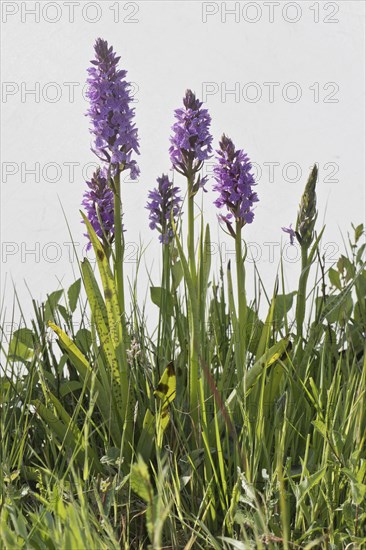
(307, 215)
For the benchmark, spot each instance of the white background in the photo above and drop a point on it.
(168, 47)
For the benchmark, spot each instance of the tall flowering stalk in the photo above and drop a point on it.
(164, 207)
(190, 147)
(115, 135)
(115, 141)
(304, 234)
(305, 224)
(234, 182)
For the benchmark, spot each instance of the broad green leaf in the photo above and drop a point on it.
(254, 328)
(166, 389)
(177, 274)
(283, 304)
(146, 440)
(165, 392)
(64, 435)
(109, 288)
(67, 420)
(358, 489)
(336, 301)
(346, 268)
(276, 352)
(358, 231)
(26, 336)
(140, 480)
(21, 345)
(320, 427)
(95, 298)
(75, 355)
(83, 340)
(73, 294)
(360, 253)
(120, 377)
(334, 278)
(343, 312)
(338, 307)
(64, 313)
(80, 363)
(275, 379)
(51, 304)
(70, 386)
(109, 373)
(162, 422)
(162, 298)
(349, 515)
(308, 484)
(5, 388)
(100, 318)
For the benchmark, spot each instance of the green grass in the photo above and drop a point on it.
(269, 452)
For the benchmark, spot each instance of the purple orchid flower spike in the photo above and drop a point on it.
(115, 135)
(191, 139)
(164, 201)
(234, 182)
(99, 205)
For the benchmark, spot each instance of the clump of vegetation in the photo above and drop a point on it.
(221, 429)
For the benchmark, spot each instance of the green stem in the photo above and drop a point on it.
(242, 302)
(191, 248)
(194, 365)
(121, 349)
(194, 328)
(301, 293)
(119, 244)
(194, 336)
(166, 321)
